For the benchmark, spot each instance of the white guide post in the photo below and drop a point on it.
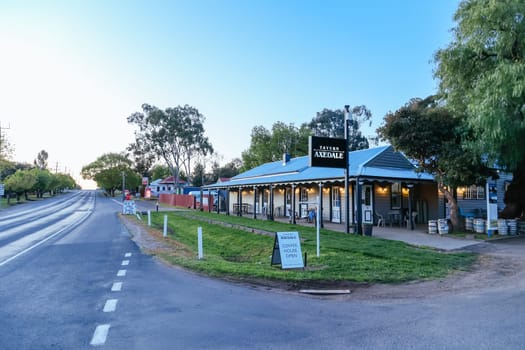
(199, 242)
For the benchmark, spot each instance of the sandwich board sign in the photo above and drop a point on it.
(287, 250)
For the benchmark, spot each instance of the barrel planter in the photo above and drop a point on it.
(432, 226)
(502, 227)
(521, 227)
(469, 224)
(479, 225)
(512, 225)
(442, 226)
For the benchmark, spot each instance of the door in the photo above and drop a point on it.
(336, 205)
(367, 205)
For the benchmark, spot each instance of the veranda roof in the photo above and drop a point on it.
(380, 164)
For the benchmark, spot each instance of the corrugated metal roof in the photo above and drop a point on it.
(297, 170)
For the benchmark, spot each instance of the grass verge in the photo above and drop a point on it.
(230, 250)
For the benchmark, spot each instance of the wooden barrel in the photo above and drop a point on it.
(432, 226)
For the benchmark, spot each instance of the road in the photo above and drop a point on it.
(89, 286)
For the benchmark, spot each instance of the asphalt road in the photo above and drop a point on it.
(90, 287)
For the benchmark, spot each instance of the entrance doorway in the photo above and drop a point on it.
(336, 205)
(367, 206)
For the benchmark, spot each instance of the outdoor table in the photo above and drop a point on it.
(395, 215)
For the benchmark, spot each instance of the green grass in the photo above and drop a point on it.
(232, 252)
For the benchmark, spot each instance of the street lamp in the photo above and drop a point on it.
(347, 170)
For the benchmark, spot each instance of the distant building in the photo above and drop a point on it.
(166, 186)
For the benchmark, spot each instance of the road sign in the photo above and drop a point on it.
(1, 189)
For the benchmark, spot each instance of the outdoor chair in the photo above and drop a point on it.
(380, 219)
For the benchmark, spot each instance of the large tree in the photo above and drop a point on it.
(142, 159)
(429, 134)
(43, 181)
(331, 123)
(482, 75)
(20, 183)
(270, 145)
(9, 168)
(108, 171)
(175, 135)
(6, 149)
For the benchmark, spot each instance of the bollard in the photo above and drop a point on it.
(305, 259)
(199, 241)
(165, 232)
(149, 217)
(157, 206)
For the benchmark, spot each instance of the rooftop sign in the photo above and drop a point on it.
(327, 152)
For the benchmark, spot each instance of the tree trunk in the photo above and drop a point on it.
(515, 195)
(453, 204)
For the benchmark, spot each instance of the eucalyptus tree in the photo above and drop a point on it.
(175, 135)
(41, 160)
(482, 75)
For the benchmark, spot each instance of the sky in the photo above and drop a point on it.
(72, 71)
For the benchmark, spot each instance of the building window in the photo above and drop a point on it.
(336, 197)
(395, 195)
(304, 195)
(474, 192)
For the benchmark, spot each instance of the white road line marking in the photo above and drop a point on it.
(111, 305)
(28, 249)
(125, 262)
(100, 335)
(121, 273)
(127, 255)
(116, 287)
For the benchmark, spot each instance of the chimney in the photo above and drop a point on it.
(286, 158)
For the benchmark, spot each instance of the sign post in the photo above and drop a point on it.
(318, 225)
(492, 207)
(287, 250)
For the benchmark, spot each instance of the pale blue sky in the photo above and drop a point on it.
(72, 71)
